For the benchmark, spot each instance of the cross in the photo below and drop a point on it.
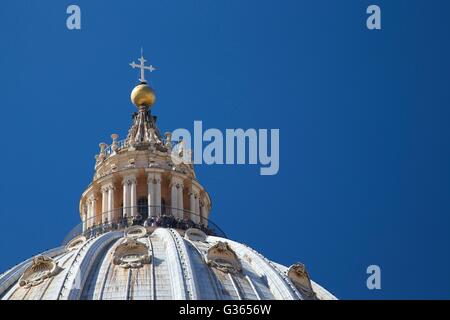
(142, 66)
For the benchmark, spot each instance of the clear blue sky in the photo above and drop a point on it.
(363, 117)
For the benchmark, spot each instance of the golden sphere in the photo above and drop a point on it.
(143, 95)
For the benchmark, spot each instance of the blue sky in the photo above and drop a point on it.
(363, 116)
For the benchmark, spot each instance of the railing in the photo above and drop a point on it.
(147, 216)
(121, 144)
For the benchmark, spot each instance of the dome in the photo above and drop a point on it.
(143, 95)
(156, 263)
(146, 233)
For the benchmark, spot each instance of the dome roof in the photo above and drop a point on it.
(156, 263)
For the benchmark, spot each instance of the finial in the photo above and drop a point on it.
(168, 144)
(114, 145)
(142, 66)
(102, 146)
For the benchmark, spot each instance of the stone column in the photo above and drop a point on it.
(174, 198)
(202, 213)
(105, 208)
(180, 200)
(84, 217)
(88, 213)
(197, 209)
(92, 214)
(151, 194)
(158, 194)
(133, 197)
(110, 202)
(192, 202)
(83, 223)
(154, 194)
(93, 210)
(126, 197)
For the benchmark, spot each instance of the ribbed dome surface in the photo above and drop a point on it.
(156, 263)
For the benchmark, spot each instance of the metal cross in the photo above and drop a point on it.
(142, 66)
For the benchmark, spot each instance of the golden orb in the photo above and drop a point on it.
(143, 96)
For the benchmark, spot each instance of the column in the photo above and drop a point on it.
(151, 195)
(105, 208)
(192, 203)
(180, 200)
(88, 213)
(94, 210)
(133, 197)
(84, 217)
(83, 221)
(202, 214)
(158, 194)
(174, 198)
(111, 189)
(126, 197)
(197, 209)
